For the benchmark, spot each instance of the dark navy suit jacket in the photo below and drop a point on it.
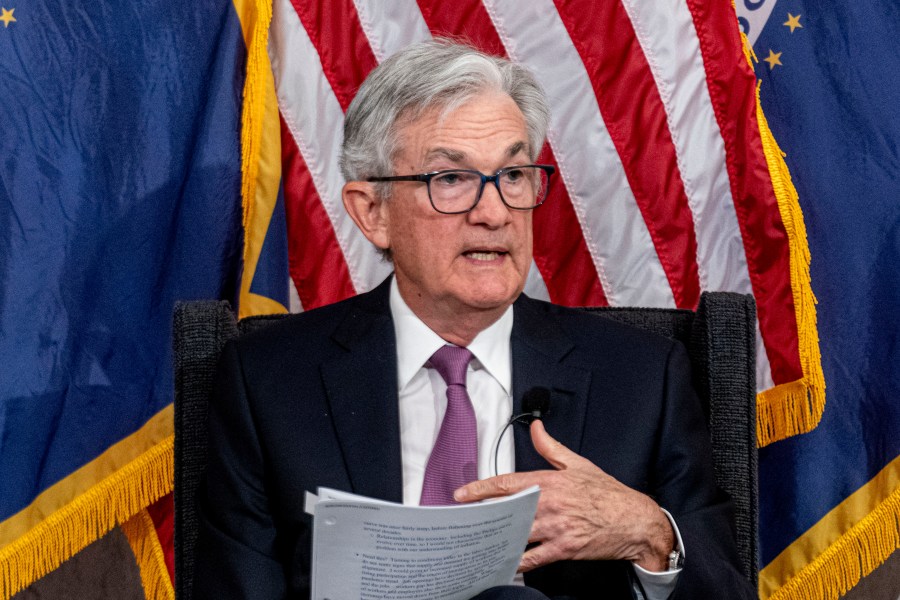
(312, 401)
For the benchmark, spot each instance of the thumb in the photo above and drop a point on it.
(554, 452)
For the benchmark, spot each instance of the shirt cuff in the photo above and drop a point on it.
(660, 585)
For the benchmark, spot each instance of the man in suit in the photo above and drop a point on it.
(359, 395)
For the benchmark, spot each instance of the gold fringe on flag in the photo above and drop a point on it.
(795, 407)
(260, 150)
(854, 555)
(846, 544)
(70, 529)
(148, 552)
(255, 18)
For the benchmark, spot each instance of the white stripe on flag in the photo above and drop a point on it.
(315, 119)
(535, 286)
(665, 30)
(391, 26)
(613, 228)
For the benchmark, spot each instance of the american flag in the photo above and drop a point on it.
(665, 185)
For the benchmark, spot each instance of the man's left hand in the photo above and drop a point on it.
(583, 513)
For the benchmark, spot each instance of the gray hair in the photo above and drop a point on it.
(440, 74)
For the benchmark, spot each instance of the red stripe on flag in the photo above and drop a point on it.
(634, 114)
(335, 31)
(560, 251)
(563, 259)
(464, 19)
(732, 89)
(315, 258)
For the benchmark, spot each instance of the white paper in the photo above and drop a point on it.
(371, 549)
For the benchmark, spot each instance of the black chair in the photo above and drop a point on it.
(720, 337)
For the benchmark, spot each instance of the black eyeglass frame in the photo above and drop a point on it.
(495, 179)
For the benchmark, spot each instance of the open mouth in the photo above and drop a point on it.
(484, 255)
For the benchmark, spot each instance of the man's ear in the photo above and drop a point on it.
(368, 211)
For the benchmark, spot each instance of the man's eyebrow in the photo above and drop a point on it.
(452, 155)
(456, 156)
(518, 148)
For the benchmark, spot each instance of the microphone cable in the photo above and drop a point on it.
(536, 404)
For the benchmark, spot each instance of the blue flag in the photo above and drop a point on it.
(120, 183)
(831, 94)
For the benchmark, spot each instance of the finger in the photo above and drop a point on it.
(494, 487)
(556, 454)
(540, 555)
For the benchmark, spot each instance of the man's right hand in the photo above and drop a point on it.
(583, 513)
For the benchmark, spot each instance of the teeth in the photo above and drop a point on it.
(483, 255)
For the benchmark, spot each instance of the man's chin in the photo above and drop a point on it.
(481, 299)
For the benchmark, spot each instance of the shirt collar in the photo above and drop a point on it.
(416, 343)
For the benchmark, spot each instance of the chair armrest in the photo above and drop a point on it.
(201, 330)
(725, 328)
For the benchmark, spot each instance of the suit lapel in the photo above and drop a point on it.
(539, 352)
(362, 394)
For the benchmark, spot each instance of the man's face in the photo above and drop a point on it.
(476, 261)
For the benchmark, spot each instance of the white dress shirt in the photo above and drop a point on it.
(423, 394)
(423, 402)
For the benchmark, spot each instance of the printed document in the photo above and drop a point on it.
(371, 549)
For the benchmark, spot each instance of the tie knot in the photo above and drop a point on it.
(451, 363)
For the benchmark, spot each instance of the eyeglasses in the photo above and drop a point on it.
(458, 190)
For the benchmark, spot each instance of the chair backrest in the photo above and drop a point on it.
(720, 338)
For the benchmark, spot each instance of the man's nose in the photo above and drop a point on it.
(490, 210)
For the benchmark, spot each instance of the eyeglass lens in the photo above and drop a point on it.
(457, 191)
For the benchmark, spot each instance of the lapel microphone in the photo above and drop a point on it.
(535, 405)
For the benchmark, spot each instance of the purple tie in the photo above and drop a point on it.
(454, 459)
